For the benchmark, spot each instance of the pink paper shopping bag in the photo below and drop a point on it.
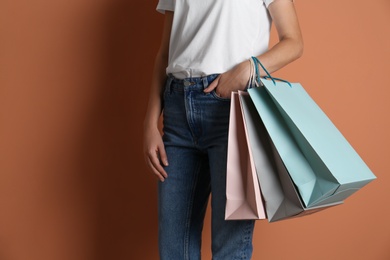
(243, 196)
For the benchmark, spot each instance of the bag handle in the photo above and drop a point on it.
(252, 76)
(257, 62)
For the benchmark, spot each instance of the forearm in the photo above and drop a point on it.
(290, 45)
(159, 76)
(281, 54)
(156, 89)
(286, 51)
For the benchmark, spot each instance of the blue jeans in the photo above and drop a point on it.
(195, 137)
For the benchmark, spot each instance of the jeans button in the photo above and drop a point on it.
(188, 83)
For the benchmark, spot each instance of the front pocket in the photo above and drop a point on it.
(216, 96)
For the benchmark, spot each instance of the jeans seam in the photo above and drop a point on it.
(189, 213)
(247, 230)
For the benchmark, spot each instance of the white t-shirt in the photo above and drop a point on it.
(212, 36)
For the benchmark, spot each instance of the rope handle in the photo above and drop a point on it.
(252, 76)
(256, 62)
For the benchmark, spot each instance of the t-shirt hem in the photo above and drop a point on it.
(161, 8)
(267, 2)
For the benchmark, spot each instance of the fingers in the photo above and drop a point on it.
(154, 163)
(163, 155)
(154, 170)
(213, 85)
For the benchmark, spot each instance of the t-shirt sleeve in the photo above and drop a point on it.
(268, 2)
(165, 5)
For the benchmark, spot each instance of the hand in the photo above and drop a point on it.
(234, 79)
(154, 152)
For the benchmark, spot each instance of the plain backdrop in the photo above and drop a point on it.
(74, 83)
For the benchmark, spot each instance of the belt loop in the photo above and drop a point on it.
(205, 81)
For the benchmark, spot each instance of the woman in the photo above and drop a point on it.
(203, 57)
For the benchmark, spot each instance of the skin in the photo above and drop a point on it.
(288, 49)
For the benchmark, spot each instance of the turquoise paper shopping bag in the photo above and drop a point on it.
(322, 164)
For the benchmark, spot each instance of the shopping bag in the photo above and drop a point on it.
(279, 194)
(322, 164)
(243, 197)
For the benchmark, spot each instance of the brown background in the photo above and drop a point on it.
(74, 79)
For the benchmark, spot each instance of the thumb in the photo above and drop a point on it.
(213, 85)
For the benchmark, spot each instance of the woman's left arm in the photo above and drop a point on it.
(288, 49)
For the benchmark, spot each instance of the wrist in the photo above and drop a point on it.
(246, 72)
(150, 124)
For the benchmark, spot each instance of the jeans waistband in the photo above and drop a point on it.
(186, 82)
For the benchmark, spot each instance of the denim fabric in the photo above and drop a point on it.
(195, 137)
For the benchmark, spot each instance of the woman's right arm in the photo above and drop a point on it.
(154, 150)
